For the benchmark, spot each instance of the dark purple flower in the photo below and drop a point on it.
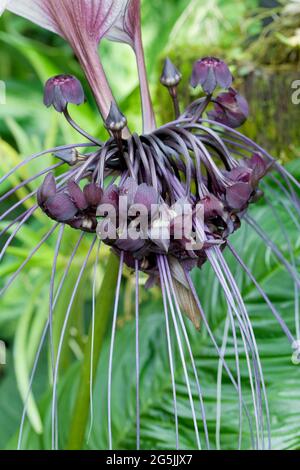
(62, 90)
(230, 109)
(209, 73)
(238, 196)
(89, 198)
(251, 171)
(48, 189)
(146, 196)
(170, 76)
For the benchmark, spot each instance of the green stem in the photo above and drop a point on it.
(81, 408)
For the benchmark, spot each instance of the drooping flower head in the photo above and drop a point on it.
(211, 72)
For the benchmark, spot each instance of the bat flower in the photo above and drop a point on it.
(164, 203)
(74, 207)
(209, 73)
(230, 109)
(62, 90)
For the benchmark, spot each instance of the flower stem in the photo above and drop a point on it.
(103, 313)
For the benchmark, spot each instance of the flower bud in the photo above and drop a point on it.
(69, 156)
(48, 189)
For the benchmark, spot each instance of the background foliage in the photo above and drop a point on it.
(28, 56)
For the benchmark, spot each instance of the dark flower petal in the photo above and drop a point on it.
(47, 189)
(240, 174)
(238, 196)
(230, 109)
(129, 259)
(129, 190)
(242, 105)
(115, 121)
(199, 74)
(218, 114)
(212, 206)
(209, 73)
(259, 167)
(59, 101)
(77, 195)
(130, 245)
(49, 93)
(210, 83)
(61, 208)
(93, 194)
